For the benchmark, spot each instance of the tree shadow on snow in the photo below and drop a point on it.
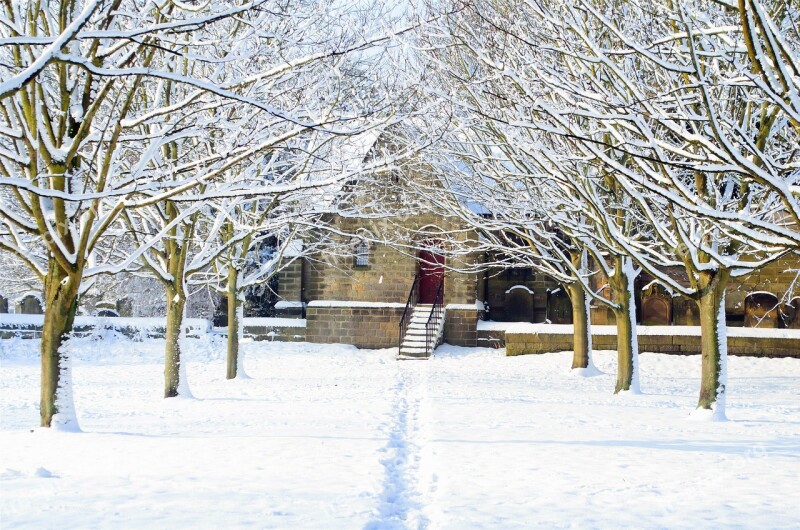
(781, 446)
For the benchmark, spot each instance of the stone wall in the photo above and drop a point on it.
(386, 279)
(775, 278)
(137, 329)
(362, 305)
(290, 281)
(524, 343)
(364, 327)
(276, 333)
(490, 338)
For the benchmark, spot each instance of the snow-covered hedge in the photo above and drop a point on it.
(14, 325)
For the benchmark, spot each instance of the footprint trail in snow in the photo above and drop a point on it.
(406, 483)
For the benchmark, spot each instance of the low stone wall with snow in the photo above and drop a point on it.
(492, 334)
(30, 326)
(522, 339)
(276, 329)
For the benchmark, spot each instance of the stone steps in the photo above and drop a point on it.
(414, 344)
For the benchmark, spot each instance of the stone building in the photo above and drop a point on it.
(360, 299)
(369, 291)
(359, 296)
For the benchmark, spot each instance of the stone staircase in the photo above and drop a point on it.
(414, 345)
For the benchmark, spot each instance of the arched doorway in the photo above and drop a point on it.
(431, 274)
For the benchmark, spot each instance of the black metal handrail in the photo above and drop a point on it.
(432, 325)
(405, 321)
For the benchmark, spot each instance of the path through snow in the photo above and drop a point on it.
(402, 501)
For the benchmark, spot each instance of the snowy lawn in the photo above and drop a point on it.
(334, 437)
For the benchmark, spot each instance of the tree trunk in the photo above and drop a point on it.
(61, 304)
(714, 343)
(627, 343)
(581, 338)
(233, 323)
(176, 302)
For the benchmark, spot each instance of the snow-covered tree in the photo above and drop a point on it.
(705, 158)
(664, 103)
(258, 237)
(101, 101)
(73, 75)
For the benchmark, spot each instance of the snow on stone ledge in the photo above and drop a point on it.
(477, 306)
(491, 325)
(348, 303)
(286, 304)
(14, 320)
(275, 322)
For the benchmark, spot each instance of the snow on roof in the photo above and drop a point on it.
(294, 248)
(341, 164)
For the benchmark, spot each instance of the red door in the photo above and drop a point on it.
(431, 273)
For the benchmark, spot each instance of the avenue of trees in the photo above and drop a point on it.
(654, 136)
(195, 142)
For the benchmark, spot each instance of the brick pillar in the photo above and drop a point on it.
(290, 289)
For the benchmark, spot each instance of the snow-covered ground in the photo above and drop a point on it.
(334, 437)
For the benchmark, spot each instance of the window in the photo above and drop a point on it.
(362, 254)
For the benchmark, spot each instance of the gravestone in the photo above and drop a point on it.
(519, 304)
(656, 306)
(790, 314)
(3, 304)
(685, 312)
(29, 305)
(559, 307)
(761, 310)
(220, 318)
(125, 307)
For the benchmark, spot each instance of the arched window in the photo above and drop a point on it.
(362, 254)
